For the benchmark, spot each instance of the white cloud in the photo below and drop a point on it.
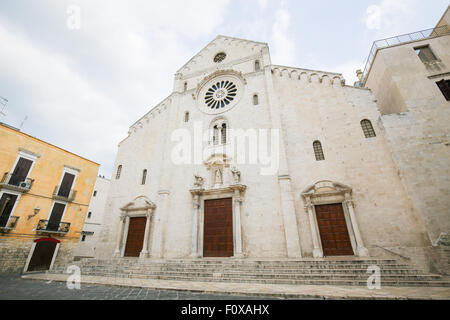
(283, 42)
(140, 46)
(348, 70)
(388, 14)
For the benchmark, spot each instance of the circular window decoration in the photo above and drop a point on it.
(220, 94)
(220, 57)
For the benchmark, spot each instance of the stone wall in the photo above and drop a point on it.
(15, 251)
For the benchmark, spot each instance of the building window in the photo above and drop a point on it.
(257, 66)
(83, 237)
(186, 116)
(224, 133)
(255, 100)
(318, 150)
(144, 176)
(185, 86)
(219, 131)
(89, 215)
(220, 94)
(425, 54)
(220, 57)
(444, 86)
(95, 193)
(7, 202)
(368, 130)
(119, 170)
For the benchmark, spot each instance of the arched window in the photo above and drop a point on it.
(216, 135)
(186, 116)
(219, 129)
(255, 100)
(185, 86)
(368, 130)
(119, 170)
(144, 176)
(224, 133)
(257, 66)
(318, 152)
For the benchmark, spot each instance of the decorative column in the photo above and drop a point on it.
(144, 252)
(317, 251)
(119, 236)
(237, 224)
(361, 250)
(194, 249)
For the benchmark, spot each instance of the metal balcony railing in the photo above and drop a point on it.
(8, 223)
(44, 226)
(404, 38)
(59, 194)
(15, 182)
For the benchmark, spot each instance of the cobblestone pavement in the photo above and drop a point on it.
(16, 288)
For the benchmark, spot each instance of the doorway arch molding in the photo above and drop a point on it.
(141, 206)
(330, 192)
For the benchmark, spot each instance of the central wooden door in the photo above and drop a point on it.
(218, 228)
(135, 237)
(333, 230)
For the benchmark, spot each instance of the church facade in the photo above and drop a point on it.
(246, 159)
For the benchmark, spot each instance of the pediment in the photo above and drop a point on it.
(139, 203)
(326, 187)
(234, 48)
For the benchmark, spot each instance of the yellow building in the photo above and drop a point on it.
(44, 197)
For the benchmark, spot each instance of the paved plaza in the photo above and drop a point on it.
(16, 288)
(54, 286)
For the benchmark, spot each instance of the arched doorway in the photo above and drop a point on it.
(43, 253)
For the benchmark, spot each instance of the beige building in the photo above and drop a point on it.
(44, 197)
(247, 159)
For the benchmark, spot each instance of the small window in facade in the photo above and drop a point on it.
(89, 214)
(368, 130)
(257, 66)
(224, 133)
(444, 86)
(95, 193)
(186, 116)
(318, 151)
(185, 86)
(220, 57)
(255, 100)
(119, 170)
(425, 54)
(83, 237)
(144, 176)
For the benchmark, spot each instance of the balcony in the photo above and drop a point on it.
(402, 39)
(6, 225)
(44, 227)
(16, 183)
(62, 195)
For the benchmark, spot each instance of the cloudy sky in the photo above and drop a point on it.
(80, 83)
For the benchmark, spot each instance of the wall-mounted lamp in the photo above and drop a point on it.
(36, 211)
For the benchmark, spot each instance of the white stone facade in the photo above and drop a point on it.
(94, 219)
(273, 210)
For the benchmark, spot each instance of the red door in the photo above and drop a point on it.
(218, 228)
(135, 237)
(333, 230)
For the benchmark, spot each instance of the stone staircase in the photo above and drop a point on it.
(340, 272)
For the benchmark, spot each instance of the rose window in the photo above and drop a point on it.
(220, 94)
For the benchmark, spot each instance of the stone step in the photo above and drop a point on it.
(219, 265)
(329, 272)
(239, 275)
(308, 281)
(278, 271)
